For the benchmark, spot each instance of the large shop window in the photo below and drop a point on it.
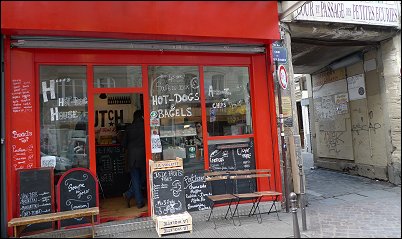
(63, 117)
(227, 93)
(176, 114)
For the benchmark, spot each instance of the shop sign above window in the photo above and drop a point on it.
(356, 12)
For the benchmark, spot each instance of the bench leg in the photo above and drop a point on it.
(234, 212)
(210, 214)
(93, 226)
(15, 232)
(256, 206)
(274, 205)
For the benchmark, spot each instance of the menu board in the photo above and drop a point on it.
(230, 157)
(233, 156)
(22, 136)
(35, 195)
(196, 191)
(76, 189)
(168, 192)
(110, 163)
(167, 187)
(21, 96)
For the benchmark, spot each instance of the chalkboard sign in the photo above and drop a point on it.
(231, 157)
(196, 191)
(234, 156)
(110, 163)
(35, 195)
(168, 192)
(167, 187)
(76, 189)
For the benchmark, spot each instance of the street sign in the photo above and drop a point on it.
(279, 54)
(283, 77)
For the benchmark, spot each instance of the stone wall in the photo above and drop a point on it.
(390, 87)
(374, 119)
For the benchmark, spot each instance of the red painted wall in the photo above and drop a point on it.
(234, 21)
(20, 109)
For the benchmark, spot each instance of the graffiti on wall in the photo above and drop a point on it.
(332, 140)
(372, 126)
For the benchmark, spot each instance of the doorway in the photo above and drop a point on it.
(113, 112)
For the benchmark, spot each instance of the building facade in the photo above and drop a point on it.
(75, 72)
(349, 55)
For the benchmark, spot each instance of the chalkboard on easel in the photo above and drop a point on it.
(231, 157)
(36, 195)
(167, 187)
(77, 189)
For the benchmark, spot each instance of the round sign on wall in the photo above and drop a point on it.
(283, 76)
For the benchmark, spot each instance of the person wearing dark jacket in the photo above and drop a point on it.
(134, 143)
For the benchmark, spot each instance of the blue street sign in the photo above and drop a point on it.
(280, 54)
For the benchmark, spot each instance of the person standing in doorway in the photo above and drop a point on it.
(134, 143)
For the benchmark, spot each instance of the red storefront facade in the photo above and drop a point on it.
(223, 25)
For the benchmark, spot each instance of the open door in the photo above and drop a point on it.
(113, 113)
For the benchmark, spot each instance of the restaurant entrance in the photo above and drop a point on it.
(113, 113)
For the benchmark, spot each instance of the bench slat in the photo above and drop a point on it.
(55, 216)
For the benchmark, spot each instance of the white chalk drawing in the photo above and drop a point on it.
(176, 188)
(85, 176)
(168, 206)
(75, 204)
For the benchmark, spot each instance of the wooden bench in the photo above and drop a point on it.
(20, 223)
(252, 194)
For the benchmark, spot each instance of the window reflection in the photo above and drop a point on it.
(227, 92)
(175, 110)
(117, 76)
(63, 117)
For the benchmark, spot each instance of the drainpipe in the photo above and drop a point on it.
(3, 207)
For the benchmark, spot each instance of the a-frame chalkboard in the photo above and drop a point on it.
(77, 189)
(35, 195)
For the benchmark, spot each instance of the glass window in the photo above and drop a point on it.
(176, 114)
(227, 93)
(117, 76)
(64, 116)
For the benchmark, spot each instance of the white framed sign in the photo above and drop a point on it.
(356, 87)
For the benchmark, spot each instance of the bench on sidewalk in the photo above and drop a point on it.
(252, 193)
(21, 222)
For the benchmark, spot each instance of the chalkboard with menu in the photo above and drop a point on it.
(76, 189)
(167, 187)
(110, 163)
(35, 195)
(231, 157)
(196, 191)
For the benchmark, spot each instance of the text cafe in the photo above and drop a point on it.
(200, 73)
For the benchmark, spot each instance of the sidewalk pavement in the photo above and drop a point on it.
(339, 205)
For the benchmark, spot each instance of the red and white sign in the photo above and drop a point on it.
(283, 77)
